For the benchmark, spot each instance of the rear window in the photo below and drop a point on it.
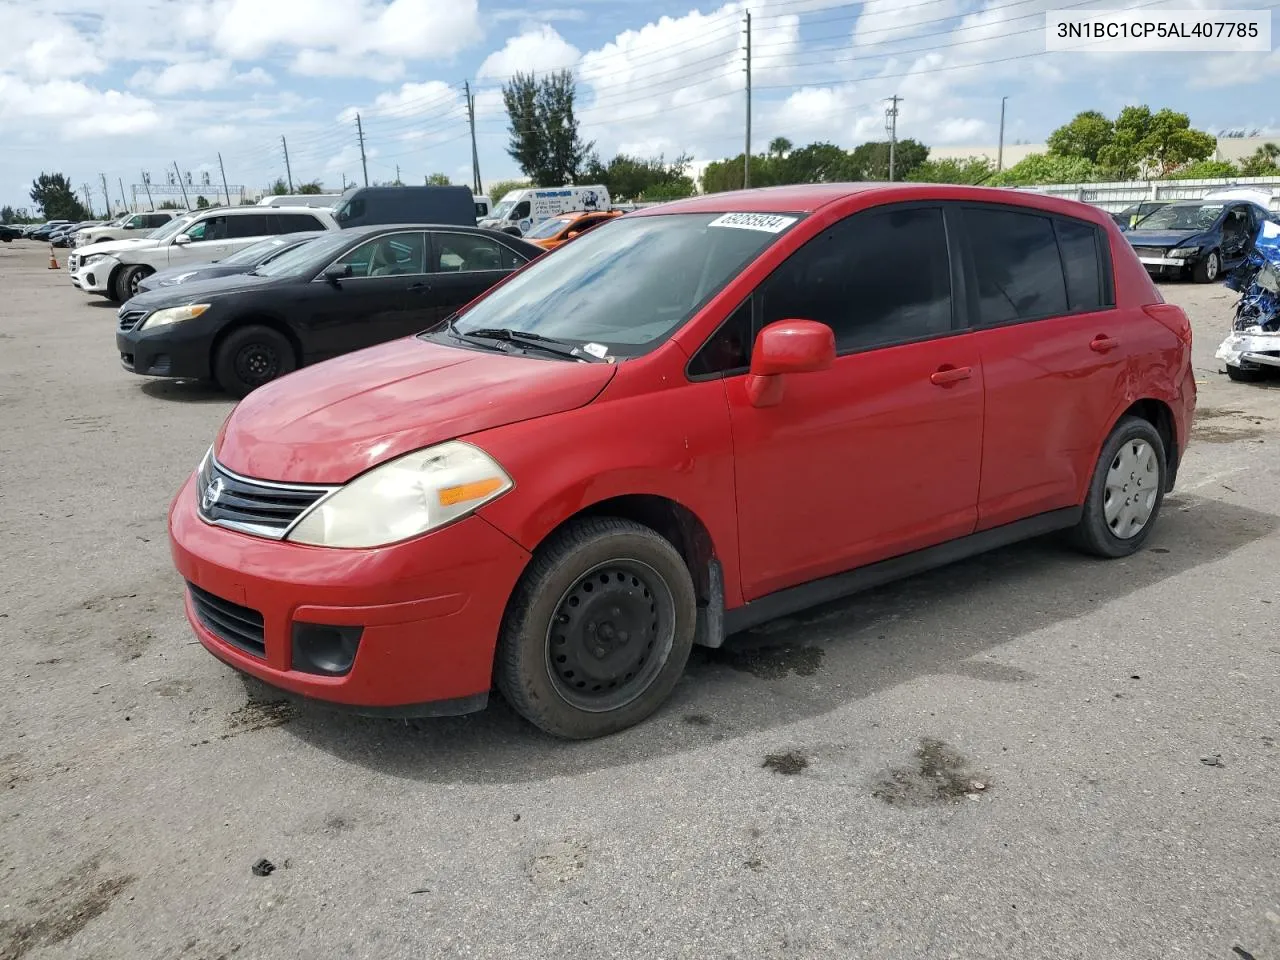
(248, 225)
(1081, 264)
(296, 223)
(1019, 272)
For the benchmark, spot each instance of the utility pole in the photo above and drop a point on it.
(146, 182)
(891, 125)
(746, 152)
(88, 200)
(344, 182)
(476, 187)
(288, 171)
(397, 174)
(223, 171)
(123, 198)
(363, 163)
(106, 196)
(186, 202)
(1000, 148)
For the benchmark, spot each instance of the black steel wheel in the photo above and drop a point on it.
(251, 356)
(598, 629)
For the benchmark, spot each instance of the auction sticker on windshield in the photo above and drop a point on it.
(768, 222)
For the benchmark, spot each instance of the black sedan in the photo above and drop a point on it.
(242, 261)
(1197, 238)
(342, 291)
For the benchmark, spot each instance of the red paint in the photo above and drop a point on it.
(807, 465)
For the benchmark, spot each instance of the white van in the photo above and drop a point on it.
(483, 205)
(301, 200)
(522, 210)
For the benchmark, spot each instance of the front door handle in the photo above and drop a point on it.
(1102, 343)
(420, 287)
(946, 376)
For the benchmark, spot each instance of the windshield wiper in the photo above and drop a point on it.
(535, 341)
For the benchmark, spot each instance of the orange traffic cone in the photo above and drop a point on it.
(53, 258)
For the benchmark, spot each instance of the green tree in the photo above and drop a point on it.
(202, 202)
(438, 180)
(170, 205)
(1038, 168)
(779, 146)
(815, 163)
(543, 130)
(631, 178)
(52, 193)
(871, 160)
(1170, 142)
(970, 170)
(310, 188)
(7, 214)
(1263, 162)
(1084, 136)
(1205, 169)
(500, 188)
(280, 188)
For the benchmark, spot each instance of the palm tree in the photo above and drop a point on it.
(778, 146)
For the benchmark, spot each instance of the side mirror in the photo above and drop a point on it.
(182, 239)
(337, 271)
(784, 347)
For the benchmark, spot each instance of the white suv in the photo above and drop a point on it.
(134, 225)
(115, 269)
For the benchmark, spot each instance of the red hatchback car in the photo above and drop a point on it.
(710, 414)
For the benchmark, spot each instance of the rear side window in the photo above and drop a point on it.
(467, 253)
(248, 225)
(875, 278)
(295, 223)
(1082, 264)
(1019, 273)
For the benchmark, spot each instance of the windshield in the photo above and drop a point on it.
(501, 210)
(548, 228)
(627, 288)
(260, 250)
(1182, 216)
(172, 228)
(303, 258)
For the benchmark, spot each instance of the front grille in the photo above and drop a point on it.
(237, 625)
(73, 261)
(130, 319)
(1149, 251)
(257, 507)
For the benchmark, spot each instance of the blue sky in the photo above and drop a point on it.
(90, 87)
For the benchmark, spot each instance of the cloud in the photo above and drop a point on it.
(75, 109)
(960, 130)
(324, 63)
(42, 47)
(256, 76)
(537, 50)
(180, 77)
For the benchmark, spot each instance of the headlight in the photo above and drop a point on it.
(405, 497)
(162, 318)
(90, 257)
(1181, 253)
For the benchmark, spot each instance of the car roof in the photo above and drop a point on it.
(812, 197)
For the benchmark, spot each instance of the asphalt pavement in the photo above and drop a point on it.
(1029, 754)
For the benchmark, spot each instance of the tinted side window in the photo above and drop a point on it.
(1016, 261)
(521, 211)
(211, 228)
(393, 254)
(728, 350)
(354, 210)
(249, 225)
(158, 220)
(875, 278)
(296, 223)
(1079, 245)
(464, 252)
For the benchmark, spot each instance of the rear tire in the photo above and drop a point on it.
(1125, 493)
(1243, 375)
(598, 630)
(250, 357)
(1208, 269)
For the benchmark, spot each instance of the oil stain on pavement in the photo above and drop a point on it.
(63, 911)
(938, 776)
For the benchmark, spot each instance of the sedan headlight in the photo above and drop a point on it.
(405, 497)
(1182, 253)
(162, 318)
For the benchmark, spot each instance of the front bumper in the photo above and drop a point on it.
(429, 609)
(95, 276)
(179, 350)
(1166, 263)
(1249, 350)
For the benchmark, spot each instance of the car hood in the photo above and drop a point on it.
(116, 246)
(332, 421)
(198, 289)
(195, 273)
(1160, 238)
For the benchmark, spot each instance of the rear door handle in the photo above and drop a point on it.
(1102, 343)
(946, 376)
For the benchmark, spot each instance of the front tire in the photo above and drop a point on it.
(1243, 375)
(598, 629)
(1207, 270)
(1125, 493)
(250, 357)
(125, 283)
